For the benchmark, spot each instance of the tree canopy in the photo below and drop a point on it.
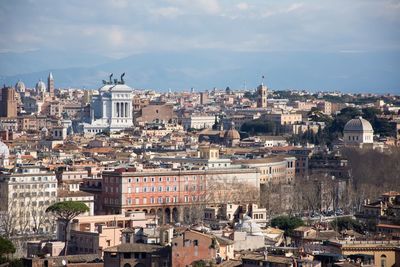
(6, 246)
(287, 223)
(68, 210)
(260, 126)
(347, 223)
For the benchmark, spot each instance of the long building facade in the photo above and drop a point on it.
(173, 193)
(25, 194)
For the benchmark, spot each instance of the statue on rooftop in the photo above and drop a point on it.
(111, 78)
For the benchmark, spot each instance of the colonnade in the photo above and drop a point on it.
(122, 110)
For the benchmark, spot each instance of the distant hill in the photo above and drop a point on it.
(351, 72)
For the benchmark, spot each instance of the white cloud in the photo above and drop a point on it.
(208, 6)
(211, 7)
(242, 6)
(168, 12)
(294, 7)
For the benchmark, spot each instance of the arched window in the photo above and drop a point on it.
(383, 260)
(127, 265)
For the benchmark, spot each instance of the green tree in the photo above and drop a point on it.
(287, 223)
(6, 248)
(347, 223)
(260, 127)
(66, 211)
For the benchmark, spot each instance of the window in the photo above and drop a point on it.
(160, 189)
(152, 179)
(195, 242)
(383, 260)
(137, 189)
(160, 179)
(145, 179)
(129, 180)
(167, 188)
(160, 200)
(137, 180)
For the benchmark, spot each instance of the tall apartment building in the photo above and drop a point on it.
(8, 102)
(25, 193)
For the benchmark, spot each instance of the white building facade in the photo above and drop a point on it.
(25, 194)
(111, 109)
(198, 122)
(357, 132)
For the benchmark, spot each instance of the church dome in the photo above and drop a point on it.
(20, 86)
(40, 87)
(358, 125)
(249, 226)
(232, 134)
(4, 151)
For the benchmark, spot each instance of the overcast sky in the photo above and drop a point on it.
(123, 27)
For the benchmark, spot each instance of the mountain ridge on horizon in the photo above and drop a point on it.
(346, 72)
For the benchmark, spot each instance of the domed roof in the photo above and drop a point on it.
(120, 88)
(232, 134)
(358, 125)
(4, 151)
(249, 226)
(40, 86)
(20, 86)
(105, 88)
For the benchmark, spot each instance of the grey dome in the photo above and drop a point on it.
(358, 125)
(40, 87)
(249, 226)
(20, 86)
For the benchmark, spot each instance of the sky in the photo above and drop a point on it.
(120, 28)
